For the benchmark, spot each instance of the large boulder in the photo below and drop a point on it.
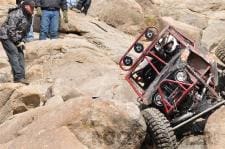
(110, 40)
(82, 64)
(204, 14)
(73, 67)
(82, 122)
(113, 13)
(180, 11)
(213, 34)
(17, 98)
(6, 90)
(193, 141)
(192, 32)
(42, 141)
(215, 131)
(202, 6)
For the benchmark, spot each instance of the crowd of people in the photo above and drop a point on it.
(18, 27)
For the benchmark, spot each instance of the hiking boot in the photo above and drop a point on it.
(23, 81)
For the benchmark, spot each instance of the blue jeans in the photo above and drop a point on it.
(49, 24)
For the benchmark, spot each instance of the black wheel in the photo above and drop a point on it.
(138, 47)
(220, 54)
(159, 129)
(149, 34)
(128, 61)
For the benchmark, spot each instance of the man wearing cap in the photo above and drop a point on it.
(30, 34)
(49, 10)
(12, 34)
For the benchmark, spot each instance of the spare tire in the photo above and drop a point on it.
(159, 129)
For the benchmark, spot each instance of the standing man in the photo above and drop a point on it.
(12, 34)
(49, 10)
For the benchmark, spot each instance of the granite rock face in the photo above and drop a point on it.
(78, 97)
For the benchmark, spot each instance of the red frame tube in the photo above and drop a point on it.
(186, 87)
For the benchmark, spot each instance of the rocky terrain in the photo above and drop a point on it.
(78, 97)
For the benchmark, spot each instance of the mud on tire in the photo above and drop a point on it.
(159, 129)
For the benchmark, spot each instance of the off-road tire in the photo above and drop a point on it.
(220, 54)
(158, 127)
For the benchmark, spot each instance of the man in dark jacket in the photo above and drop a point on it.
(12, 33)
(49, 10)
(30, 34)
(83, 5)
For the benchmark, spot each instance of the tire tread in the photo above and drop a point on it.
(220, 54)
(160, 129)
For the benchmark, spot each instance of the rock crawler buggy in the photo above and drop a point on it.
(175, 84)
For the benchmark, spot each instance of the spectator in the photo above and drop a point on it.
(49, 10)
(83, 5)
(12, 34)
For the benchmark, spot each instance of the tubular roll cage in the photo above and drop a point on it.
(148, 51)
